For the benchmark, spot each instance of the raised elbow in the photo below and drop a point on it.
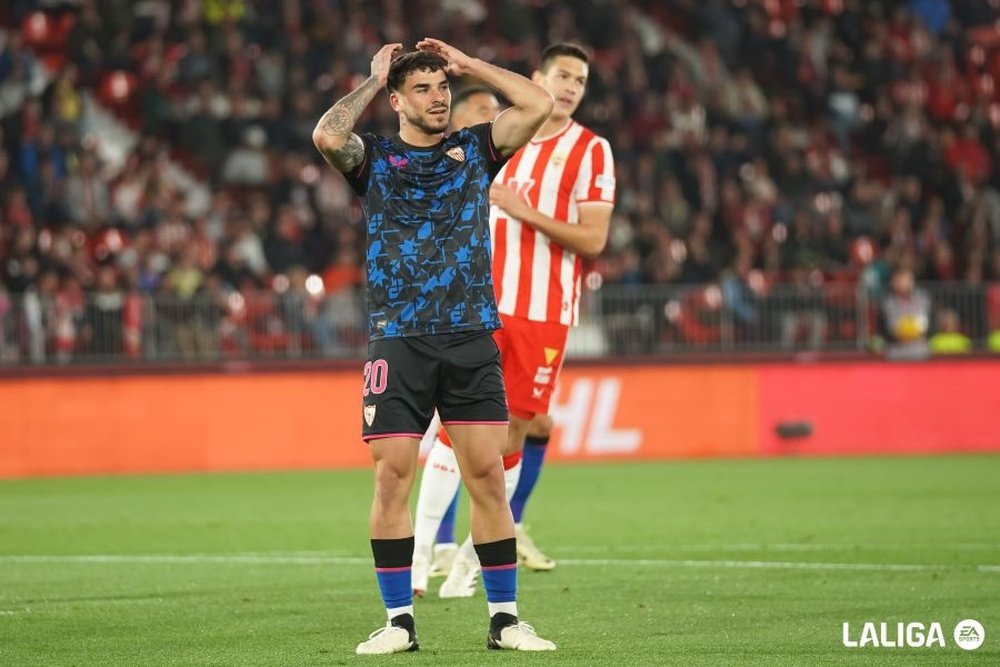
(545, 104)
(326, 142)
(538, 106)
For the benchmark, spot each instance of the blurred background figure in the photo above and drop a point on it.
(949, 339)
(752, 141)
(906, 311)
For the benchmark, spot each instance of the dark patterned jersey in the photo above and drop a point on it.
(427, 210)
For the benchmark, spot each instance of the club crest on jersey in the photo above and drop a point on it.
(456, 154)
(370, 414)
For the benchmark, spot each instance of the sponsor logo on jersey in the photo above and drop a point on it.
(543, 375)
(523, 188)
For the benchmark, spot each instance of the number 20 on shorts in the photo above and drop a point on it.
(376, 377)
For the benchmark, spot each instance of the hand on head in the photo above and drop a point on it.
(382, 60)
(458, 62)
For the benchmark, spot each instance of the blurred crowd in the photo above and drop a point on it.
(756, 142)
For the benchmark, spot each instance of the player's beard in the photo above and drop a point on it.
(429, 124)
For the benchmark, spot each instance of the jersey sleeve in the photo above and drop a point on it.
(484, 138)
(596, 180)
(357, 178)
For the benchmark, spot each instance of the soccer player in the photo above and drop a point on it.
(431, 309)
(437, 500)
(552, 208)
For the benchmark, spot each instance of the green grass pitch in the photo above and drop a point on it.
(737, 562)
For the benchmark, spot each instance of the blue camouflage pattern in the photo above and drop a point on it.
(428, 240)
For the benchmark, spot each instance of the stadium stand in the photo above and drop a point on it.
(777, 161)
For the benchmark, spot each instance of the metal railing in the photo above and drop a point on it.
(616, 320)
(730, 318)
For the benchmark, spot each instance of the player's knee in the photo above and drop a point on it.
(488, 490)
(540, 426)
(516, 430)
(392, 483)
(483, 476)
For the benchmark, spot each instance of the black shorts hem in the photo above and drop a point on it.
(472, 422)
(367, 437)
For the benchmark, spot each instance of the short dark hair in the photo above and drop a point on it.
(562, 49)
(407, 63)
(469, 91)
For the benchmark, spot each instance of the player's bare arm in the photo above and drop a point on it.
(530, 104)
(587, 238)
(334, 135)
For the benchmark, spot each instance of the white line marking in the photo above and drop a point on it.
(772, 565)
(282, 559)
(195, 559)
(779, 546)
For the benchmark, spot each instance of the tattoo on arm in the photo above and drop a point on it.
(338, 123)
(349, 157)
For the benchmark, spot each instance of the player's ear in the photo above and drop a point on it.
(394, 101)
(536, 77)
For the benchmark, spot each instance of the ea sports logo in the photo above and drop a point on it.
(970, 634)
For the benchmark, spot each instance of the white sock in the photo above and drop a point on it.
(408, 609)
(437, 487)
(510, 479)
(504, 607)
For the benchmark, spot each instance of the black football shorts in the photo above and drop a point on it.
(406, 378)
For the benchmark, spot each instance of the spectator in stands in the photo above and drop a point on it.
(756, 115)
(803, 313)
(248, 164)
(906, 315)
(183, 284)
(949, 339)
(6, 354)
(87, 195)
(739, 297)
(103, 315)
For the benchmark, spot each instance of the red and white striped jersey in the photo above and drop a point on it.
(534, 277)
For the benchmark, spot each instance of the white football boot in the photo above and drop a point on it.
(529, 554)
(461, 579)
(444, 556)
(518, 637)
(388, 639)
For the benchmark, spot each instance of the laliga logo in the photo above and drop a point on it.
(969, 635)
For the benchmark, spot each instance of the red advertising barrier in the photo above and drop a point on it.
(58, 426)
(180, 423)
(866, 408)
(655, 412)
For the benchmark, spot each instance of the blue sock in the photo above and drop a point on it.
(446, 531)
(499, 563)
(393, 561)
(531, 468)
